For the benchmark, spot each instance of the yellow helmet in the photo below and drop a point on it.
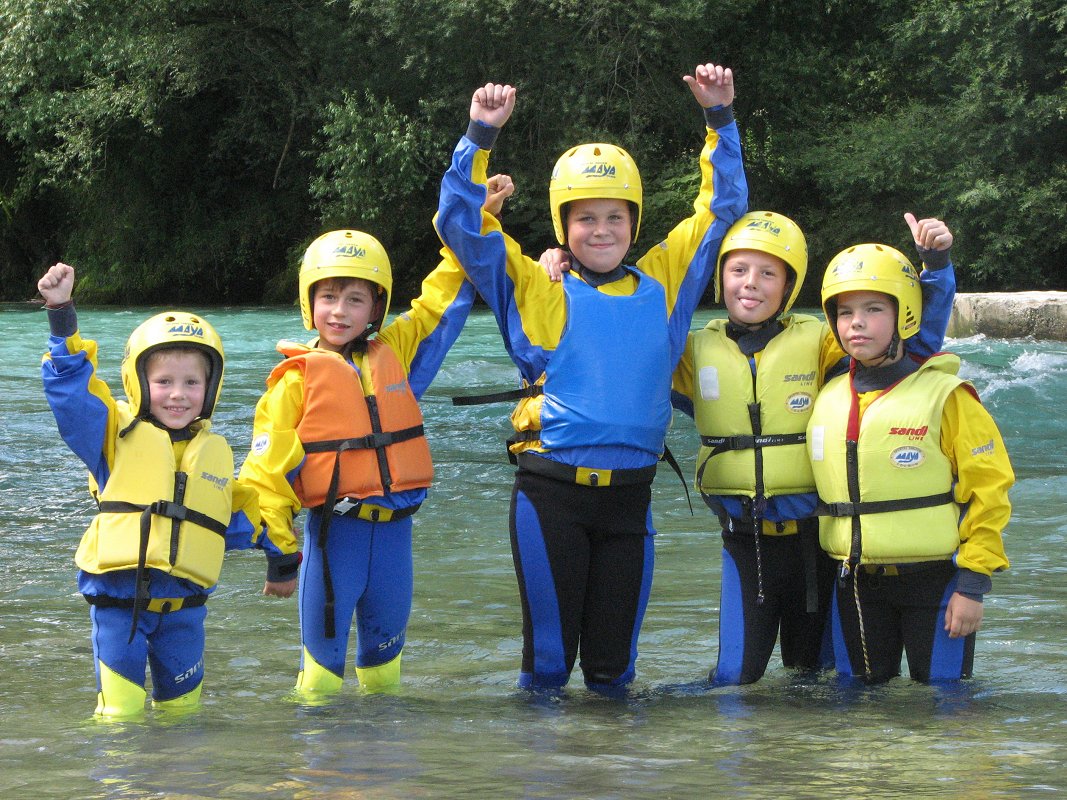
(170, 329)
(592, 172)
(875, 268)
(770, 233)
(344, 254)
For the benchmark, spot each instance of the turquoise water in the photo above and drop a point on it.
(460, 728)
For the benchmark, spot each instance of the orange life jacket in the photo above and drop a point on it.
(360, 428)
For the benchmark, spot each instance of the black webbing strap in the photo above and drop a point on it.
(533, 390)
(371, 440)
(723, 444)
(669, 458)
(882, 506)
(166, 604)
(160, 508)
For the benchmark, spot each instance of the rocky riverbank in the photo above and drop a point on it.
(1010, 315)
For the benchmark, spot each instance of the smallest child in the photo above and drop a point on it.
(913, 480)
(168, 505)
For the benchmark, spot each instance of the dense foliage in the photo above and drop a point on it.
(187, 150)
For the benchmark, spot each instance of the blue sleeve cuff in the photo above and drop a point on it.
(719, 116)
(973, 585)
(934, 259)
(482, 135)
(63, 321)
(283, 568)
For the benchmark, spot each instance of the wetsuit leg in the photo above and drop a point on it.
(120, 666)
(348, 550)
(805, 639)
(923, 599)
(879, 643)
(747, 629)
(382, 612)
(622, 558)
(551, 554)
(176, 654)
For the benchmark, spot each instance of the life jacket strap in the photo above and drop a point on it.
(354, 507)
(533, 390)
(723, 444)
(584, 476)
(370, 441)
(160, 605)
(882, 506)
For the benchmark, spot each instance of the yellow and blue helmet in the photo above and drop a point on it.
(171, 329)
(344, 254)
(874, 268)
(592, 172)
(771, 233)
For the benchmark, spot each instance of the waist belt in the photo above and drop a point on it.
(893, 570)
(160, 605)
(352, 507)
(584, 476)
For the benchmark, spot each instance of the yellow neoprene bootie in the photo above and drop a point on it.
(382, 678)
(118, 697)
(316, 679)
(189, 701)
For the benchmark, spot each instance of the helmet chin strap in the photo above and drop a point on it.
(890, 354)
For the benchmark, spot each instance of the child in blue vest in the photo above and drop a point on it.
(913, 481)
(595, 354)
(168, 503)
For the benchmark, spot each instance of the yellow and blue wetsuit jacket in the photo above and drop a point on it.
(716, 383)
(536, 315)
(419, 338)
(90, 422)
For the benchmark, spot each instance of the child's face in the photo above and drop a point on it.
(598, 232)
(753, 286)
(866, 322)
(342, 314)
(177, 382)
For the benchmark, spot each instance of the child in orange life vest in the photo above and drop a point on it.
(913, 480)
(168, 504)
(339, 431)
(749, 381)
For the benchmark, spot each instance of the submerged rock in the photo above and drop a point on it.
(1010, 315)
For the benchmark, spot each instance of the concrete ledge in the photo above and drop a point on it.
(1010, 315)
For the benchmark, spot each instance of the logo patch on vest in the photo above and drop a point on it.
(799, 403)
(218, 481)
(260, 444)
(907, 457)
(911, 433)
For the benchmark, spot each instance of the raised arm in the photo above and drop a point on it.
(933, 240)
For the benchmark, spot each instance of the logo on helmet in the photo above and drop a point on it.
(599, 169)
(765, 225)
(186, 329)
(350, 251)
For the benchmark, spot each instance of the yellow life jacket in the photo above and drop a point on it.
(361, 430)
(189, 504)
(752, 428)
(902, 509)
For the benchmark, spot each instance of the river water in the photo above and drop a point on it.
(459, 728)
